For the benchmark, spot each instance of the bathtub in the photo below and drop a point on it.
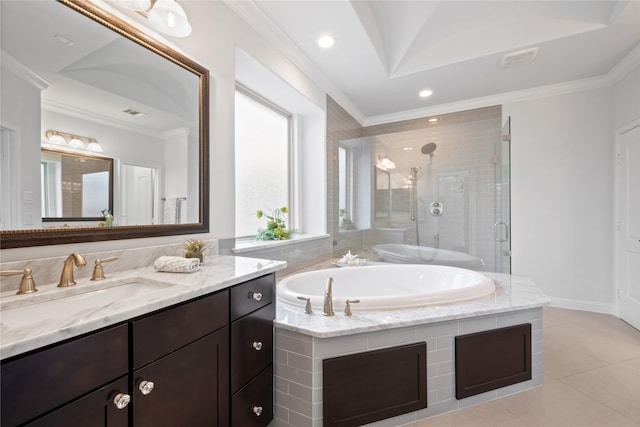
(385, 287)
(411, 254)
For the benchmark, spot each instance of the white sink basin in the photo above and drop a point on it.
(79, 302)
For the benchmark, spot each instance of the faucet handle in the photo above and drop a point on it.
(347, 307)
(27, 284)
(98, 272)
(307, 306)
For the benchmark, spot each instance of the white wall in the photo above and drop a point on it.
(562, 196)
(625, 100)
(20, 106)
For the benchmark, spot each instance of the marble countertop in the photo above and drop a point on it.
(52, 314)
(512, 293)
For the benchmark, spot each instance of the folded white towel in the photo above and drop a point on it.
(176, 264)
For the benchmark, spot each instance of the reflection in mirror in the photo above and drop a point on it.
(382, 196)
(354, 183)
(75, 187)
(70, 65)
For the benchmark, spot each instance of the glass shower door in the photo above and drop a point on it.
(502, 226)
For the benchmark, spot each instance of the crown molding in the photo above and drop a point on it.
(486, 101)
(20, 70)
(68, 110)
(624, 67)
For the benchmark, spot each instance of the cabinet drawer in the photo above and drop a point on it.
(252, 406)
(161, 333)
(95, 409)
(39, 382)
(251, 345)
(251, 295)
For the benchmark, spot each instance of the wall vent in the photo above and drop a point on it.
(133, 112)
(520, 57)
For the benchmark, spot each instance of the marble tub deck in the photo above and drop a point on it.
(512, 293)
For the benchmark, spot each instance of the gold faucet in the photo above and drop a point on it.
(27, 285)
(327, 307)
(66, 279)
(98, 271)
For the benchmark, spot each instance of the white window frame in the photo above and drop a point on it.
(291, 216)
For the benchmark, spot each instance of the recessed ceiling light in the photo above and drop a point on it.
(326, 41)
(425, 93)
(407, 148)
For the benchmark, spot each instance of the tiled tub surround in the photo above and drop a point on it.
(36, 326)
(303, 341)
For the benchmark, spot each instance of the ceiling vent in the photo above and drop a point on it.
(133, 112)
(520, 57)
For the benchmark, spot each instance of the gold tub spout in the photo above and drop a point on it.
(66, 278)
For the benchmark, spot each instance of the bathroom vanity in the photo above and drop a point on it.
(198, 352)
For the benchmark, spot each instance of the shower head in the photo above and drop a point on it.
(428, 148)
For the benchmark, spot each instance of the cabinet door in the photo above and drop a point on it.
(251, 346)
(190, 386)
(94, 410)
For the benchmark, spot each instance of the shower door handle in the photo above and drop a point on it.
(501, 237)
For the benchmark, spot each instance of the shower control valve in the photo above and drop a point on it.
(436, 208)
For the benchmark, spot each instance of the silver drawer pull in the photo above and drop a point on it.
(257, 410)
(257, 345)
(146, 387)
(255, 295)
(121, 400)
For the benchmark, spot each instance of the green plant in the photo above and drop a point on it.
(193, 246)
(276, 226)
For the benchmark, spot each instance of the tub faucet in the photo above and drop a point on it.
(327, 307)
(66, 278)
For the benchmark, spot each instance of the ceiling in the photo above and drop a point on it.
(387, 51)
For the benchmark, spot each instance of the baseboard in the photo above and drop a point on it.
(576, 304)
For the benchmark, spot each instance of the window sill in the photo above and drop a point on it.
(248, 245)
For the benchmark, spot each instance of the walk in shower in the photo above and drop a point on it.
(446, 201)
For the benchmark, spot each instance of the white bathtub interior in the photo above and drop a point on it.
(386, 286)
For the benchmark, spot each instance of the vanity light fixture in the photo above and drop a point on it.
(425, 93)
(386, 163)
(55, 137)
(326, 41)
(433, 120)
(94, 146)
(167, 16)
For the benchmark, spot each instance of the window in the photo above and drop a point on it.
(262, 160)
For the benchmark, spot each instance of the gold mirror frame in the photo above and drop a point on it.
(58, 236)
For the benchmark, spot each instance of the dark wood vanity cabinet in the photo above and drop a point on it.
(84, 369)
(205, 362)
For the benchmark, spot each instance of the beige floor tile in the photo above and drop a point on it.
(632, 365)
(557, 404)
(591, 371)
(612, 386)
(489, 414)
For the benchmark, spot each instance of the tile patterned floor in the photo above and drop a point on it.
(591, 378)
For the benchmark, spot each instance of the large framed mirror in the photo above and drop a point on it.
(72, 66)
